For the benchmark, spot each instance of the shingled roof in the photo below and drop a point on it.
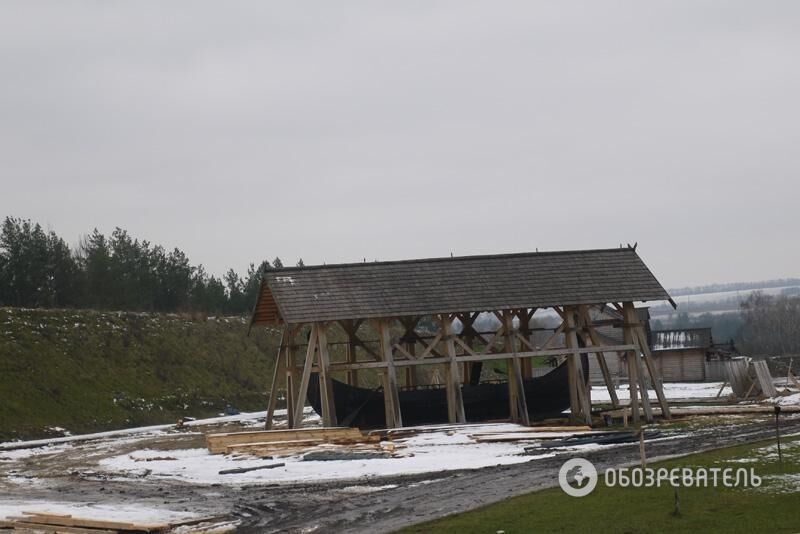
(449, 285)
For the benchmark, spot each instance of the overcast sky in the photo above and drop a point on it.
(335, 131)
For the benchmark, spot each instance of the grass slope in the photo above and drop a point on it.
(88, 371)
(772, 507)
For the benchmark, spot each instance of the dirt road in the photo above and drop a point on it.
(375, 505)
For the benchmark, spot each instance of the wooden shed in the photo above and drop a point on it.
(680, 354)
(393, 319)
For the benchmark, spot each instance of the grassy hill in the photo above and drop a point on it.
(87, 371)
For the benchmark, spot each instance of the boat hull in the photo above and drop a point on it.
(546, 396)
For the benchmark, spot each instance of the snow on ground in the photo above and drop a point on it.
(246, 419)
(443, 450)
(117, 512)
(672, 390)
(790, 400)
(151, 451)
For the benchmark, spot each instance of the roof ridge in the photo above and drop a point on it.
(450, 258)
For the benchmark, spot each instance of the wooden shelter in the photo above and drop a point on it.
(422, 313)
(680, 354)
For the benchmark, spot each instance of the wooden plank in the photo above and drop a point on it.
(239, 470)
(59, 520)
(765, 378)
(41, 527)
(217, 443)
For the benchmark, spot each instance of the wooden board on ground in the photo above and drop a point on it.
(716, 410)
(218, 443)
(765, 378)
(52, 522)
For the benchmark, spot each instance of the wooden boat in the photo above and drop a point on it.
(546, 396)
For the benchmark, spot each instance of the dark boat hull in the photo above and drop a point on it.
(546, 396)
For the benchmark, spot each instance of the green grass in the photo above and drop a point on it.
(773, 507)
(89, 371)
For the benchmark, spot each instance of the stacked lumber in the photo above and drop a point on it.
(287, 442)
(750, 378)
(51, 522)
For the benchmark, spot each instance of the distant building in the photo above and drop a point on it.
(690, 354)
(680, 355)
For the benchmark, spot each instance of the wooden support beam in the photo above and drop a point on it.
(280, 367)
(409, 339)
(658, 386)
(591, 338)
(325, 380)
(518, 405)
(455, 402)
(290, 371)
(629, 332)
(523, 335)
(480, 357)
(311, 350)
(391, 398)
(580, 398)
(351, 327)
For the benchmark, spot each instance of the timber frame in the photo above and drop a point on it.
(333, 325)
(401, 348)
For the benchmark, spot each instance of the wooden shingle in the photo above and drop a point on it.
(449, 285)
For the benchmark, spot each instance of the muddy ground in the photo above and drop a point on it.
(374, 505)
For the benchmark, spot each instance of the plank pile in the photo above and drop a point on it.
(51, 522)
(750, 378)
(271, 443)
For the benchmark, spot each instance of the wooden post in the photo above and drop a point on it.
(651, 368)
(455, 403)
(276, 373)
(629, 331)
(525, 331)
(591, 336)
(303, 390)
(633, 378)
(351, 327)
(290, 370)
(411, 348)
(580, 398)
(391, 399)
(518, 405)
(325, 381)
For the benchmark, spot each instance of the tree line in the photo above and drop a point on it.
(764, 325)
(771, 325)
(117, 272)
